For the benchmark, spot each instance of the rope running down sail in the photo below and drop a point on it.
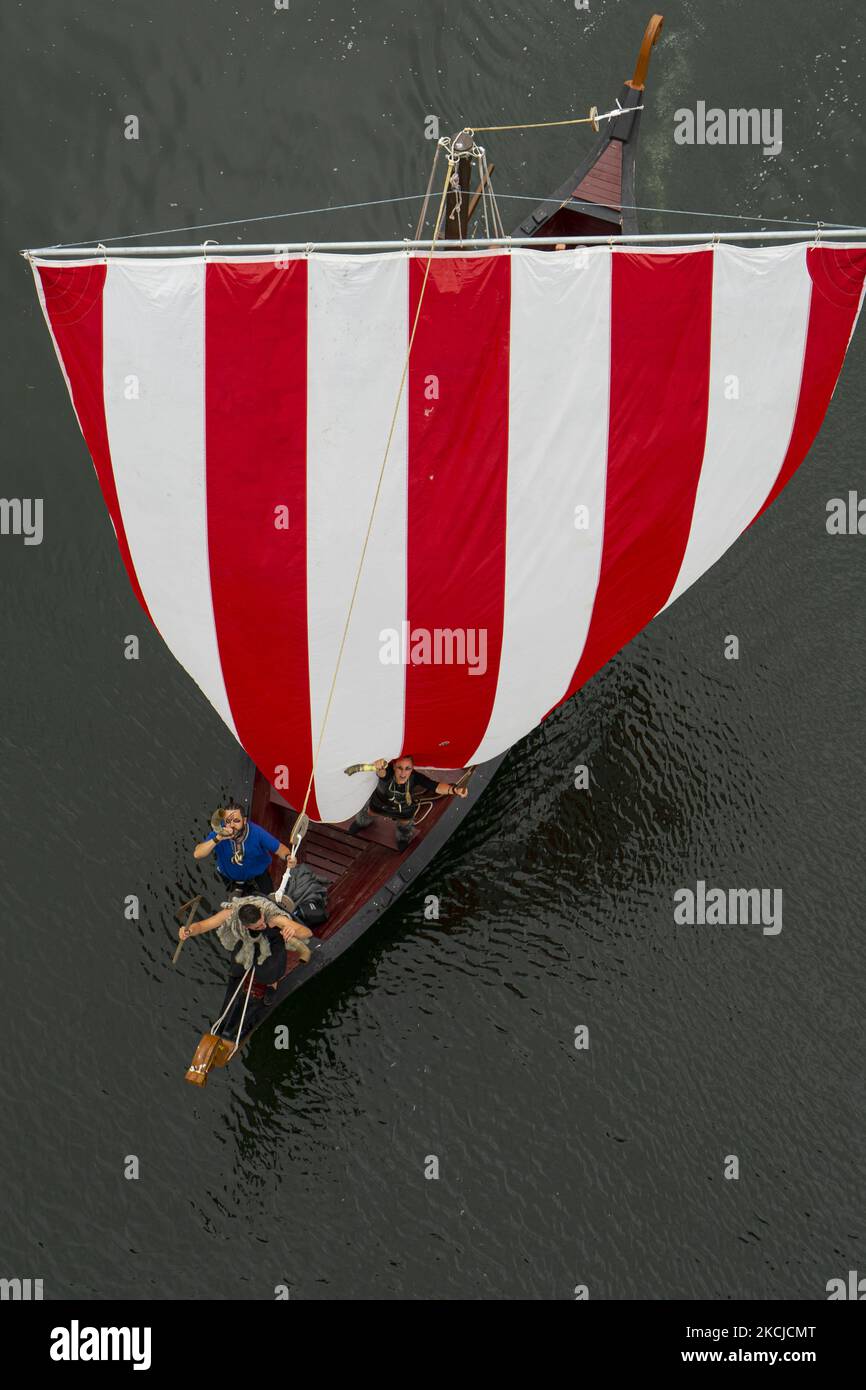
(448, 173)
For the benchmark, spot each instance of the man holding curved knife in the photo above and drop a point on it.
(398, 794)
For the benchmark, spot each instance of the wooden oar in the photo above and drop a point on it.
(192, 905)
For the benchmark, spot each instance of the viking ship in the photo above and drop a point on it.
(545, 438)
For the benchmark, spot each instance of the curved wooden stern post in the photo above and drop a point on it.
(650, 39)
(599, 198)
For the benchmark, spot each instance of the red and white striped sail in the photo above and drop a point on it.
(581, 435)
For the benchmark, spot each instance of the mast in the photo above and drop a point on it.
(456, 223)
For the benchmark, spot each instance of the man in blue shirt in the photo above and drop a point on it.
(243, 853)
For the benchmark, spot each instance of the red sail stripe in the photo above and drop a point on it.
(256, 427)
(457, 493)
(661, 308)
(73, 302)
(837, 286)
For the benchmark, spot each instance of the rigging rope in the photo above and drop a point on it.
(393, 426)
(535, 125)
(592, 119)
(415, 197)
(423, 217)
(240, 221)
(683, 212)
(484, 198)
(488, 184)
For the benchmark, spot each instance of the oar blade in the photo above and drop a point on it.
(190, 910)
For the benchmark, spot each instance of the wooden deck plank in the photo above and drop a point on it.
(312, 857)
(603, 183)
(340, 856)
(355, 867)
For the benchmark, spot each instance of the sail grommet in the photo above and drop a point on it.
(101, 247)
(205, 244)
(817, 240)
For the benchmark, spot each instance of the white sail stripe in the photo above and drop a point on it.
(357, 339)
(760, 319)
(153, 382)
(557, 462)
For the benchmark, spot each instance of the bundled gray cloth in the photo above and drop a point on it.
(233, 932)
(303, 883)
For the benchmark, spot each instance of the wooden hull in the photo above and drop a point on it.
(599, 197)
(366, 874)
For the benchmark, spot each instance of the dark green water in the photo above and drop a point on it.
(454, 1039)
